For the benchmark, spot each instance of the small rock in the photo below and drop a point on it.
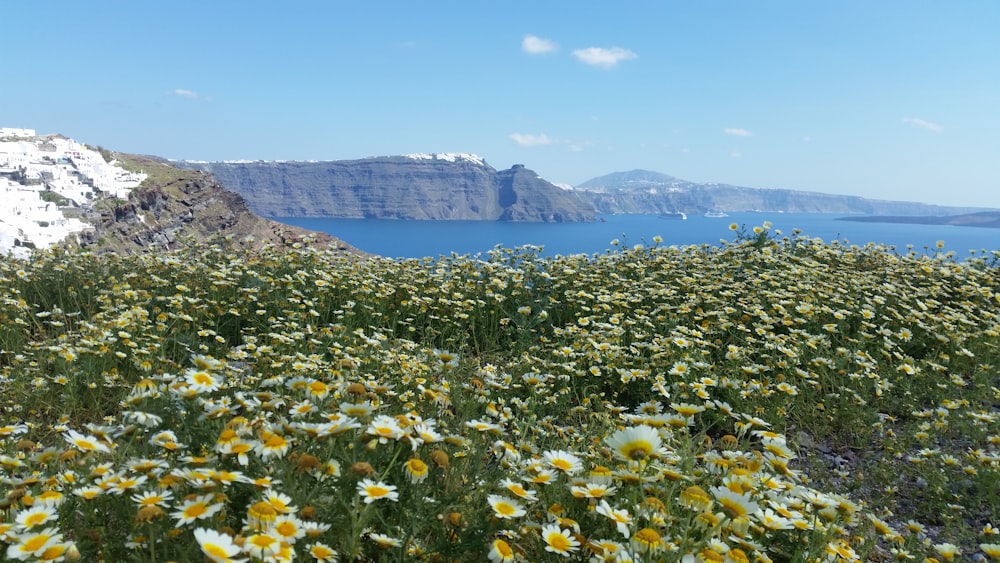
(805, 440)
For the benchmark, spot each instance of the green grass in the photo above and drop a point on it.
(775, 398)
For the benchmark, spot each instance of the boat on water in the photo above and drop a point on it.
(678, 215)
(716, 214)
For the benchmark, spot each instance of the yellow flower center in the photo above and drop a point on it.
(262, 540)
(35, 519)
(84, 444)
(35, 543)
(262, 511)
(377, 491)
(732, 507)
(52, 553)
(321, 552)
(558, 541)
(503, 548)
(562, 464)
(202, 378)
(286, 528)
(637, 449)
(648, 537)
(711, 555)
(216, 551)
(275, 442)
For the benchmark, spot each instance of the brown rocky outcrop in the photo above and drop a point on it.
(175, 206)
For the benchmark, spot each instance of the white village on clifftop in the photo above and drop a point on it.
(44, 178)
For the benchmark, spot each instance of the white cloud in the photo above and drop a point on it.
(923, 123)
(182, 93)
(530, 140)
(604, 58)
(736, 131)
(736, 154)
(536, 45)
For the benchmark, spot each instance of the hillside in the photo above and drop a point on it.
(428, 187)
(174, 206)
(57, 191)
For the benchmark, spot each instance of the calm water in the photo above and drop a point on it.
(417, 239)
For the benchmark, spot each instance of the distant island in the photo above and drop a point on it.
(646, 191)
(988, 219)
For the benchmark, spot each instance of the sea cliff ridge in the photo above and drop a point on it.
(424, 186)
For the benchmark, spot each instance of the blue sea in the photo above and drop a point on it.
(418, 239)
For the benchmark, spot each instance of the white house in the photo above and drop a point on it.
(14, 154)
(14, 132)
(65, 167)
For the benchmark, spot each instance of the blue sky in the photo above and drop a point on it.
(887, 99)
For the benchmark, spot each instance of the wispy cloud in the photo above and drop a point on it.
(184, 93)
(930, 126)
(534, 45)
(530, 140)
(604, 58)
(737, 132)
(736, 154)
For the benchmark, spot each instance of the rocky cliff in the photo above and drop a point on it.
(175, 206)
(643, 191)
(438, 187)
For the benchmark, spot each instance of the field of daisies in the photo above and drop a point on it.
(773, 398)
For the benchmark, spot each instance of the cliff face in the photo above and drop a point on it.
(642, 191)
(430, 187)
(172, 205)
(523, 196)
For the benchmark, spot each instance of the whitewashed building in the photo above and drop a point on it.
(14, 132)
(53, 165)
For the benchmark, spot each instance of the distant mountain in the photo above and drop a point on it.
(989, 219)
(634, 180)
(443, 186)
(644, 191)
